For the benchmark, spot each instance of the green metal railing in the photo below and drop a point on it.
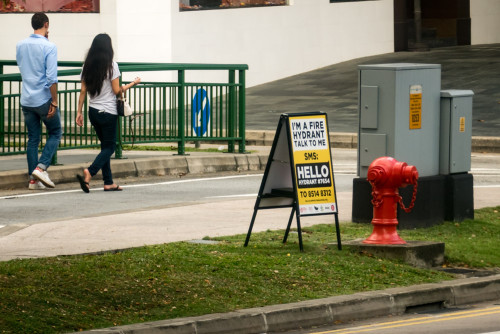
(163, 111)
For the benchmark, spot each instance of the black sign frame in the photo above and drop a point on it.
(279, 188)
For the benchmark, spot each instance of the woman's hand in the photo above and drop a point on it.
(81, 100)
(136, 81)
(79, 119)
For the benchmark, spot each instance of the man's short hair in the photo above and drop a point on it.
(38, 20)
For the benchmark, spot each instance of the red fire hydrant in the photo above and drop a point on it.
(386, 175)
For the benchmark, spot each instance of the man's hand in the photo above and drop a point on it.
(52, 110)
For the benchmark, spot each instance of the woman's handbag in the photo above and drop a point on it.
(122, 106)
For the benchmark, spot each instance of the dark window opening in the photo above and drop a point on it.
(331, 1)
(187, 5)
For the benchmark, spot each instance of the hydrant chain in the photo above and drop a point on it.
(377, 199)
(413, 198)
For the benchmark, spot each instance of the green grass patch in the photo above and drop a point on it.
(72, 293)
(471, 243)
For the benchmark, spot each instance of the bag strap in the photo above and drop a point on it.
(122, 95)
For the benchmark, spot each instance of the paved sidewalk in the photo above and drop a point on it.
(334, 89)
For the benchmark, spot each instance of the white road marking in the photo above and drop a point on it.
(132, 186)
(231, 196)
(191, 180)
(485, 169)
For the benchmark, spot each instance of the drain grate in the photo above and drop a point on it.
(425, 308)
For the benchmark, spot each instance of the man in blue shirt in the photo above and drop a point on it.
(37, 61)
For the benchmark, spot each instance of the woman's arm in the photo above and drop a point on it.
(115, 84)
(81, 99)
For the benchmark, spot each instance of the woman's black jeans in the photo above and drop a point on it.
(105, 125)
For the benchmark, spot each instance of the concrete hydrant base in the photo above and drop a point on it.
(423, 254)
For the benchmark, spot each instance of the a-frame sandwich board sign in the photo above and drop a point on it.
(299, 172)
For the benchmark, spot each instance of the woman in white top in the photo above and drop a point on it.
(101, 80)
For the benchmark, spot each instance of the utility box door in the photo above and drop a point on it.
(456, 131)
(369, 107)
(372, 146)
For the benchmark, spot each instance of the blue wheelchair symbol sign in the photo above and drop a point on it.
(201, 112)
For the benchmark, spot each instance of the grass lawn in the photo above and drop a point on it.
(72, 293)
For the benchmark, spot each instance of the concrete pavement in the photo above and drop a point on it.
(332, 89)
(133, 229)
(95, 234)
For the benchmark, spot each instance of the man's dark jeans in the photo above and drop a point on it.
(32, 118)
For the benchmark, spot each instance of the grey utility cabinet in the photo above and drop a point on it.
(399, 113)
(456, 131)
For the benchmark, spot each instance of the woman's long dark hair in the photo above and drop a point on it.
(98, 64)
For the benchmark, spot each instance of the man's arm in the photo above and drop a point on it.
(52, 80)
(53, 104)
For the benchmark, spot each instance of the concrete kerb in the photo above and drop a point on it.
(325, 311)
(337, 139)
(13, 179)
(350, 140)
(161, 166)
(180, 165)
(465, 292)
(486, 144)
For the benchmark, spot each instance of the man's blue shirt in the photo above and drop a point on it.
(37, 61)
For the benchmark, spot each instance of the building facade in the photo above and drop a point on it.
(276, 40)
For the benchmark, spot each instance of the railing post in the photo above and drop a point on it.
(232, 110)
(242, 111)
(181, 146)
(2, 112)
(54, 162)
(119, 139)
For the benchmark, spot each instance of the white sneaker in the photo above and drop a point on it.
(43, 177)
(36, 185)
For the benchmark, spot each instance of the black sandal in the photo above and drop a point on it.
(117, 188)
(84, 185)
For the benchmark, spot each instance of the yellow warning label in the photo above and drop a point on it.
(462, 124)
(415, 107)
